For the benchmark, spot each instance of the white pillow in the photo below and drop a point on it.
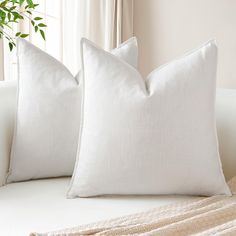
(48, 114)
(148, 137)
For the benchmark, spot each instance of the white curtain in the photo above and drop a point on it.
(106, 22)
(1, 60)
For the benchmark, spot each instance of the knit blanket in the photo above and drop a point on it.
(209, 216)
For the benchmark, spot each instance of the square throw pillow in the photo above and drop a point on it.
(48, 113)
(153, 136)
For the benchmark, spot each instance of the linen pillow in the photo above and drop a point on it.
(48, 114)
(153, 136)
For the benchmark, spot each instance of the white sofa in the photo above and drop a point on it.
(41, 205)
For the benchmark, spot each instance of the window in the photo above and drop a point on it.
(51, 11)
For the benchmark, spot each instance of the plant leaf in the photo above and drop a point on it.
(42, 25)
(21, 2)
(2, 13)
(18, 34)
(24, 35)
(12, 8)
(3, 4)
(30, 3)
(10, 46)
(17, 15)
(42, 34)
(9, 16)
(38, 18)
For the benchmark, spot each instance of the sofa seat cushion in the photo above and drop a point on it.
(41, 206)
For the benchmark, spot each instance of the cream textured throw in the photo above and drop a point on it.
(210, 216)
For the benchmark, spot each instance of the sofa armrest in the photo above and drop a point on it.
(7, 117)
(226, 129)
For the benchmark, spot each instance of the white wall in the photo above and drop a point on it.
(168, 28)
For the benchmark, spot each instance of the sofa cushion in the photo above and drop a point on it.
(226, 129)
(225, 120)
(7, 117)
(40, 206)
(48, 113)
(148, 136)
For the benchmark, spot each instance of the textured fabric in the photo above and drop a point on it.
(225, 114)
(1, 60)
(156, 136)
(211, 216)
(48, 114)
(7, 116)
(41, 206)
(226, 129)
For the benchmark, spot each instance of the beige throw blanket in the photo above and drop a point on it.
(211, 216)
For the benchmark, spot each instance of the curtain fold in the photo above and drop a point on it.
(1, 60)
(111, 22)
(105, 22)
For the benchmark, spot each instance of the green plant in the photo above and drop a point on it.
(13, 11)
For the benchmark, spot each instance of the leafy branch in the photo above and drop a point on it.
(12, 12)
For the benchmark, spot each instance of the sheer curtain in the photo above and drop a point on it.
(106, 22)
(1, 60)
